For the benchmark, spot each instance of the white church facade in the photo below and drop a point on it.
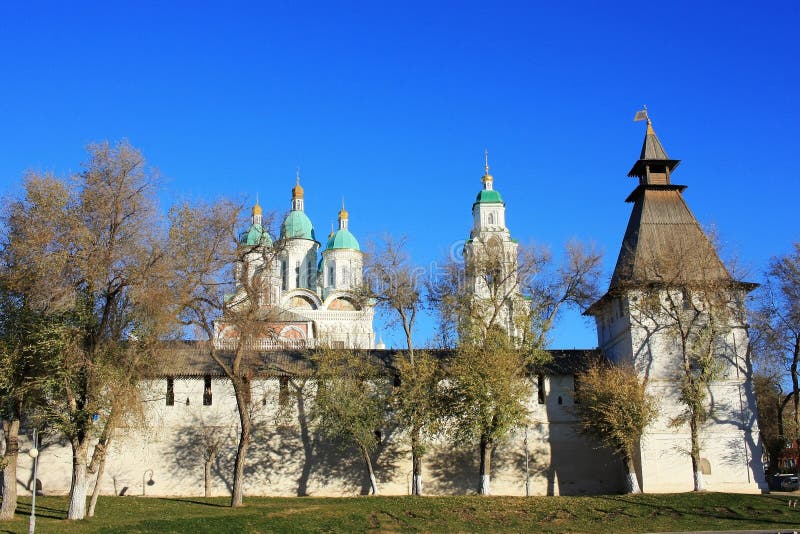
(308, 291)
(191, 408)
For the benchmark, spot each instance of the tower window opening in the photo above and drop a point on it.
(297, 274)
(331, 276)
(207, 391)
(491, 219)
(540, 388)
(170, 392)
(284, 275)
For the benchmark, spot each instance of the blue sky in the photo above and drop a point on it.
(392, 104)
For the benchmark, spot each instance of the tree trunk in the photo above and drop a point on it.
(796, 388)
(11, 430)
(631, 482)
(308, 446)
(241, 450)
(373, 482)
(416, 462)
(699, 484)
(77, 492)
(487, 447)
(101, 466)
(210, 457)
(98, 464)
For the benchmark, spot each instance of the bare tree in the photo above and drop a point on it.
(774, 422)
(691, 302)
(776, 325)
(225, 293)
(394, 284)
(614, 406)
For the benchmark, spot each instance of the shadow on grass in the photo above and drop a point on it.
(704, 511)
(192, 501)
(24, 510)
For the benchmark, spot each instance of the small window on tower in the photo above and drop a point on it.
(207, 391)
(491, 219)
(331, 276)
(540, 387)
(284, 275)
(297, 274)
(170, 392)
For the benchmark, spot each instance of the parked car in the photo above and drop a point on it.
(785, 482)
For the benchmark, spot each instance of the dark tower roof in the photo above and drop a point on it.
(664, 243)
(653, 160)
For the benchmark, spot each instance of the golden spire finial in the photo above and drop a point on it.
(343, 212)
(257, 208)
(297, 190)
(487, 178)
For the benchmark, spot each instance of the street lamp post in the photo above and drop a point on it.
(149, 482)
(527, 469)
(34, 453)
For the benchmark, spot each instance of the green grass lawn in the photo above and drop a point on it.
(613, 513)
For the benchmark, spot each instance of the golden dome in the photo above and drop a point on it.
(487, 177)
(297, 191)
(343, 214)
(257, 209)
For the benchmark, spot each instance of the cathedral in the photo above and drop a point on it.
(312, 291)
(191, 405)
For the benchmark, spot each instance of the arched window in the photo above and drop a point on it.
(491, 219)
(331, 276)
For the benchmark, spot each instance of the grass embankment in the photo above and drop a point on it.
(613, 513)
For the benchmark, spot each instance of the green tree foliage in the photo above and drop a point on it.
(352, 400)
(93, 245)
(31, 347)
(614, 407)
(497, 310)
(487, 392)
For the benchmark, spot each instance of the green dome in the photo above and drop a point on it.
(256, 235)
(297, 225)
(489, 196)
(342, 239)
